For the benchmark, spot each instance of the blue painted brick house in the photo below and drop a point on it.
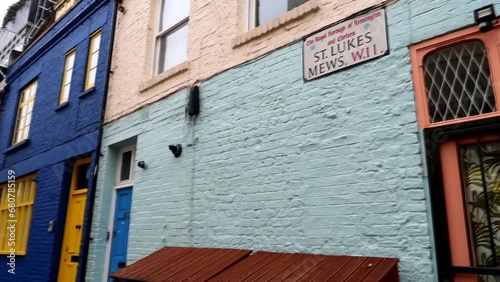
(49, 131)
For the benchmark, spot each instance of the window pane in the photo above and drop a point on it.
(481, 178)
(173, 49)
(18, 136)
(71, 61)
(92, 74)
(26, 129)
(24, 96)
(24, 110)
(65, 94)
(93, 56)
(22, 122)
(28, 121)
(161, 56)
(69, 75)
(33, 88)
(82, 180)
(24, 201)
(20, 191)
(173, 11)
(27, 192)
(30, 106)
(31, 92)
(93, 60)
(26, 132)
(458, 83)
(295, 3)
(487, 278)
(270, 9)
(126, 165)
(96, 43)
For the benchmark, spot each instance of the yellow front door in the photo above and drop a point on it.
(70, 253)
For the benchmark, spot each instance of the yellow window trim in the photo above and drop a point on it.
(63, 99)
(93, 37)
(23, 210)
(21, 105)
(16, 253)
(25, 103)
(82, 161)
(63, 8)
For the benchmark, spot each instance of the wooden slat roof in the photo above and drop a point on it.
(226, 265)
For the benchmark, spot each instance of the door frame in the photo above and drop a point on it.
(71, 193)
(118, 185)
(433, 138)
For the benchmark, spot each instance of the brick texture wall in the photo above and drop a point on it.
(272, 163)
(56, 134)
(330, 166)
(214, 26)
(322, 167)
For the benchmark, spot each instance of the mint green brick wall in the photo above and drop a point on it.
(330, 166)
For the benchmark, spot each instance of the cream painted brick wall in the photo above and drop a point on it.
(216, 30)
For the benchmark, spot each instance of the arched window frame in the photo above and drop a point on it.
(420, 51)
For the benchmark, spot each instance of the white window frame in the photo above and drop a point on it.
(159, 34)
(251, 13)
(125, 183)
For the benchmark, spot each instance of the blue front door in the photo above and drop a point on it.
(119, 234)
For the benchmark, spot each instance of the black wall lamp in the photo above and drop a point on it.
(193, 106)
(176, 150)
(141, 164)
(484, 17)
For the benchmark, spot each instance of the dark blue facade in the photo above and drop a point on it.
(58, 135)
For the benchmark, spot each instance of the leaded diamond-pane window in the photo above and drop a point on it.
(458, 83)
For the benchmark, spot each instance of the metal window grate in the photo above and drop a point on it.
(458, 83)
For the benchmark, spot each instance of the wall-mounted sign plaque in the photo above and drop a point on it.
(349, 43)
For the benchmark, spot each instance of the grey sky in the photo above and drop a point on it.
(4, 4)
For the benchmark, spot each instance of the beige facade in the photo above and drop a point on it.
(218, 39)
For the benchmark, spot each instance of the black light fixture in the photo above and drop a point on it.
(484, 17)
(193, 106)
(141, 164)
(176, 150)
(119, 6)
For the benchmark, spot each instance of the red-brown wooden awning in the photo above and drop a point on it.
(209, 264)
